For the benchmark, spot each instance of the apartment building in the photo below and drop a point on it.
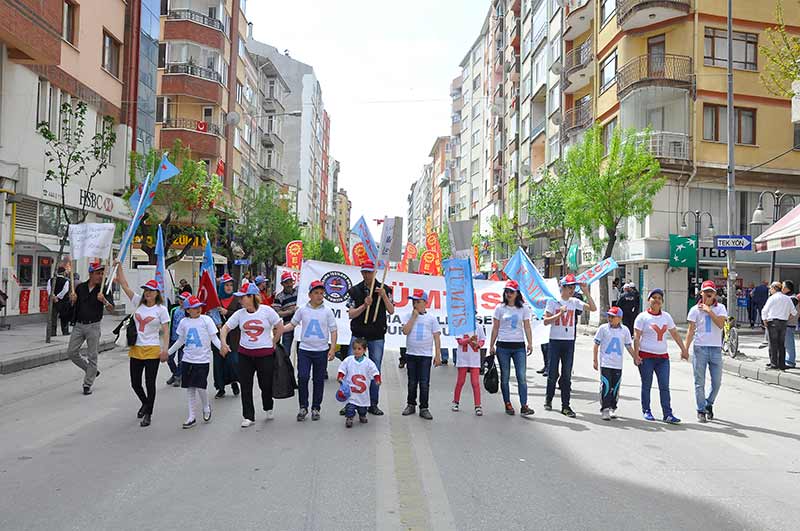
(343, 212)
(440, 193)
(271, 111)
(333, 225)
(324, 179)
(420, 205)
(661, 65)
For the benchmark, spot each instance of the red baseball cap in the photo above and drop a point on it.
(152, 285)
(368, 265)
(286, 277)
(224, 279)
(512, 284)
(314, 285)
(614, 311)
(193, 302)
(418, 295)
(96, 266)
(709, 285)
(569, 280)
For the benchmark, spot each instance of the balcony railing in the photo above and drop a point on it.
(667, 145)
(194, 16)
(192, 125)
(627, 8)
(577, 118)
(655, 69)
(194, 70)
(538, 128)
(579, 57)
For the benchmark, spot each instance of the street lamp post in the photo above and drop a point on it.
(759, 218)
(698, 216)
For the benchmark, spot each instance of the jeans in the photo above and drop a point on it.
(419, 375)
(661, 367)
(350, 410)
(263, 367)
(375, 352)
(560, 351)
(286, 342)
(150, 369)
(91, 333)
(710, 357)
(226, 370)
(504, 357)
(545, 357)
(175, 367)
(791, 352)
(306, 359)
(776, 329)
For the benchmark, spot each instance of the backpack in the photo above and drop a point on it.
(129, 324)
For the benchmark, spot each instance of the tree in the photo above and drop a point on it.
(782, 50)
(185, 206)
(444, 240)
(323, 249)
(70, 157)
(507, 234)
(600, 190)
(546, 208)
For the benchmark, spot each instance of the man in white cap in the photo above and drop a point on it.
(629, 303)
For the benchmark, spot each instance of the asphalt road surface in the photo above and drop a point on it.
(73, 462)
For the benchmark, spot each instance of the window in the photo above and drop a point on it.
(239, 93)
(69, 25)
(111, 49)
(242, 51)
(162, 55)
(554, 145)
(42, 101)
(555, 49)
(476, 137)
(608, 72)
(208, 114)
(25, 269)
(526, 87)
(526, 44)
(164, 7)
(272, 91)
(608, 134)
(475, 167)
(796, 142)
(607, 8)
(554, 7)
(476, 83)
(745, 49)
(271, 159)
(103, 126)
(715, 124)
(51, 219)
(237, 139)
(554, 99)
(247, 131)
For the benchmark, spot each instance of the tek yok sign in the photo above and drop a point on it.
(733, 242)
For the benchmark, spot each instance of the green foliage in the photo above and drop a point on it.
(507, 234)
(546, 208)
(321, 249)
(782, 51)
(444, 241)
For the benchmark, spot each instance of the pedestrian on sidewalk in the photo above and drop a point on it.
(376, 304)
(791, 325)
(561, 315)
(609, 340)
(650, 344)
(88, 302)
(423, 344)
(469, 362)
(357, 373)
(62, 309)
(776, 313)
(706, 321)
(286, 304)
(629, 303)
(152, 338)
(759, 296)
(176, 315)
(261, 329)
(511, 327)
(196, 333)
(226, 368)
(318, 326)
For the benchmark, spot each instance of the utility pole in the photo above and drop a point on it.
(732, 274)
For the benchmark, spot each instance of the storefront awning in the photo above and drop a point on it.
(784, 234)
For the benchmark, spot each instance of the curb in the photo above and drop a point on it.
(29, 361)
(752, 371)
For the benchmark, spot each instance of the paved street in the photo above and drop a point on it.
(74, 462)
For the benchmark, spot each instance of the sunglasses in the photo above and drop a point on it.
(508, 290)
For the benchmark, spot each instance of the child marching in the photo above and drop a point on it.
(423, 333)
(609, 341)
(468, 361)
(196, 333)
(356, 373)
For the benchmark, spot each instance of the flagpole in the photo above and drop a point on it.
(124, 249)
(383, 283)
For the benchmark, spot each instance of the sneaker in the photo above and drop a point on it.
(343, 411)
(701, 417)
(509, 409)
(87, 390)
(648, 415)
(220, 393)
(270, 415)
(409, 410)
(525, 411)
(176, 383)
(540, 371)
(301, 415)
(97, 375)
(426, 414)
(710, 412)
(672, 419)
(315, 414)
(567, 412)
(454, 406)
(145, 421)
(235, 388)
(478, 411)
(246, 423)
(363, 420)
(613, 413)
(207, 416)
(605, 414)
(141, 412)
(171, 380)
(444, 362)
(189, 424)
(375, 410)
(402, 365)
(348, 422)
(548, 406)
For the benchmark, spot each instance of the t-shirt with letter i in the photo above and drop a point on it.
(420, 341)
(654, 328)
(358, 374)
(611, 344)
(512, 322)
(706, 333)
(564, 327)
(316, 326)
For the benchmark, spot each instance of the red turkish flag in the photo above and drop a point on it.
(220, 168)
(207, 291)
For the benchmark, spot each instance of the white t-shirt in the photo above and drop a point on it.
(256, 327)
(358, 374)
(612, 343)
(564, 328)
(654, 330)
(316, 326)
(420, 341)
(511, 321)
(148, 322)
(468, 357)
(196, 337)
(706, 333)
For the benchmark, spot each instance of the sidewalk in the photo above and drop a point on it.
(23, 347)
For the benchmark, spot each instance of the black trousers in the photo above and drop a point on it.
(419, 376)
(262, 367)
(609, 387)
(150, 369)
(776, 329)
(61, 313)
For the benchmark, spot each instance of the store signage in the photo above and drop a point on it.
(734, 243)
(713, 252)
(241, 261)
(100, 203)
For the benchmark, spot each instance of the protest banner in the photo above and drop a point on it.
(294, 254)
(460, 296)
(361, 230)
(532, 284)
(390, 250)
(597, 271)
(90, 240)
(359, 254)
(428, 263)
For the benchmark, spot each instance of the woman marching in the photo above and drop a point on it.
(152, 321)
(261, 329)
(226, 368)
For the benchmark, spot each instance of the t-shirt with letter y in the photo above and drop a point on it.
(654, 328)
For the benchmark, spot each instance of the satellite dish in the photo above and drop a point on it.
(555, 68)
(233, 118)
(557, 118)
(525, 170)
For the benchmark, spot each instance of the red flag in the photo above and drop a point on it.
(359, 254)
(294, 254)
(344, 249)
(220, 168)
(207, 291)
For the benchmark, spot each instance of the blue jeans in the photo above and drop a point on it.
(306, 359)
(375, 352)
(445, 352)
(287, 340)
(504, 357)
(560, 352)
(710, 357)
(661, 367)
(350, 410)
(791, 352)
(175, 367)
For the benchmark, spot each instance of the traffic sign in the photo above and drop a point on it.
(734, 243)
(242, 261)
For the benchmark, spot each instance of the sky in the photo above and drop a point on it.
(385, 69)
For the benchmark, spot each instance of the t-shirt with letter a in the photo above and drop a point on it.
(611, 342)
(358, 374)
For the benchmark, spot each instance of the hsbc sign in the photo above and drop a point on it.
(100, 203)
(97, 202)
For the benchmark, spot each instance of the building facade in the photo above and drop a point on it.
(343, 212)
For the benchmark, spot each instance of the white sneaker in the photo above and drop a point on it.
(246, 423)
(479, 411)
(270, 415)
(613, 413)
(605, 414)
(454, 406)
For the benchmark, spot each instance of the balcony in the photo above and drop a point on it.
(189, 79)
(578, 20)
(272, 174)
(675, 147)
(188, 25)
(455, 129)
(458, 104)
(203, 138)
(665, 70)
(577, 119)
(637, 14)
(514, 34)
(578, 67)
(271, 139)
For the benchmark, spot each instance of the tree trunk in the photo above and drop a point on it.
(604, 301)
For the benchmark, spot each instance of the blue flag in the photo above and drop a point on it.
(598, 271)
(531, 283)
(460, 296)
(161, 270)
(361, 230)
(208, 259)
(166, 170)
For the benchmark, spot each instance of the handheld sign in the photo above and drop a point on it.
(460, 296)
(391, 250)
(90, 239)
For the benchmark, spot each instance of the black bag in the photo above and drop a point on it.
(491, 382)
(283, 380)
(129, 324)
(343, 352)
